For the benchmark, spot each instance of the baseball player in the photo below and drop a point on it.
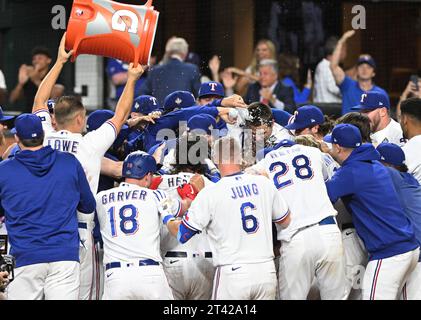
(130, 219)
(312, 244)
(237, 214)
(376, 106)
(70, 116)
(188, 266)
(409, 194)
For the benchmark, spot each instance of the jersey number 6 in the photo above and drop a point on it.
(250, 222)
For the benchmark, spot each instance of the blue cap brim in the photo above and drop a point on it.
(357, 108)
(13, 131)
(328, 138)
(5, 118)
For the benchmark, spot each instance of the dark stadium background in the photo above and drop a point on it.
(230, 29)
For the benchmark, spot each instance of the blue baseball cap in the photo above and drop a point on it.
(373, 100)
(211, 89)
(391, 153)
(306, 117)
(3, 117)
(145, 105)
(366, 59)
(28, 126)
(179, 100)
(346, 135)
(138, 164)
(97, 118)
(203, 122)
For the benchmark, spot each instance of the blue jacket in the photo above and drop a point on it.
(367, 191)
(40, 192)
(409, 194)
(169, 77)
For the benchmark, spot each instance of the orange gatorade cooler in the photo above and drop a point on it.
(111, 29)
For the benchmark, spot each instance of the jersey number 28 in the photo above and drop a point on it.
(302, 166)
(128, 220)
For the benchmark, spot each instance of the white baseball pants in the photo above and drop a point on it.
(315, 252)
(384, 279)
(412, 288)
(49, 281)
(255, 281)
(356, 259)
(190, 278)
(136, 283)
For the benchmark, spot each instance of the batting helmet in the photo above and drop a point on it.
(138, 164)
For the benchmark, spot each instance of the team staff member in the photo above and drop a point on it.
(411, 126)
(40, 191)
(366, 188)
(352, 90)
(237, 213)
(376, 106)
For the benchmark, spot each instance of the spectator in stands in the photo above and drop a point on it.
(289, 66)
(411, 91)
(325, 88)
(174, 74)
(265, 49)
(269, 90)
(3, 88)
(352, 90)
(30, 77)
(117, 73)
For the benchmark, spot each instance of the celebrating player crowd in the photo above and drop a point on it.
(219, 197)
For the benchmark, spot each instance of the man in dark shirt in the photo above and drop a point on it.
(30, 77)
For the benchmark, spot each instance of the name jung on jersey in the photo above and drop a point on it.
(244, 191)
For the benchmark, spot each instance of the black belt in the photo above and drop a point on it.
(183, 254)
(348, 226)
(142, 263)
(82, 225)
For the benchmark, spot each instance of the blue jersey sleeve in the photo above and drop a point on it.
(341, 184)
(87, 203)
(346, 84)
(185, 233)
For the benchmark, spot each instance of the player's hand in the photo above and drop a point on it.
(63, 56)
(135, 73)
(197, 182)
(224, 114)
(23, 75)
(266, 93)
(157, 155)
(4, 280)
(234, 101)
(347, 35)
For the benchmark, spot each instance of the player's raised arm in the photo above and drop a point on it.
(47, 85)
(337, 71)
(125, 103)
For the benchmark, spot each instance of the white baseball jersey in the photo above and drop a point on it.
(392, 134)
(412, 150)
(199, 244)
(238, 212)
(88, 149)
(130, 219)
(299, 174)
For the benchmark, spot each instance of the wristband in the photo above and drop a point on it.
(168, 218)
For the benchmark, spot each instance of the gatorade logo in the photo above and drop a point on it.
(117, 22)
